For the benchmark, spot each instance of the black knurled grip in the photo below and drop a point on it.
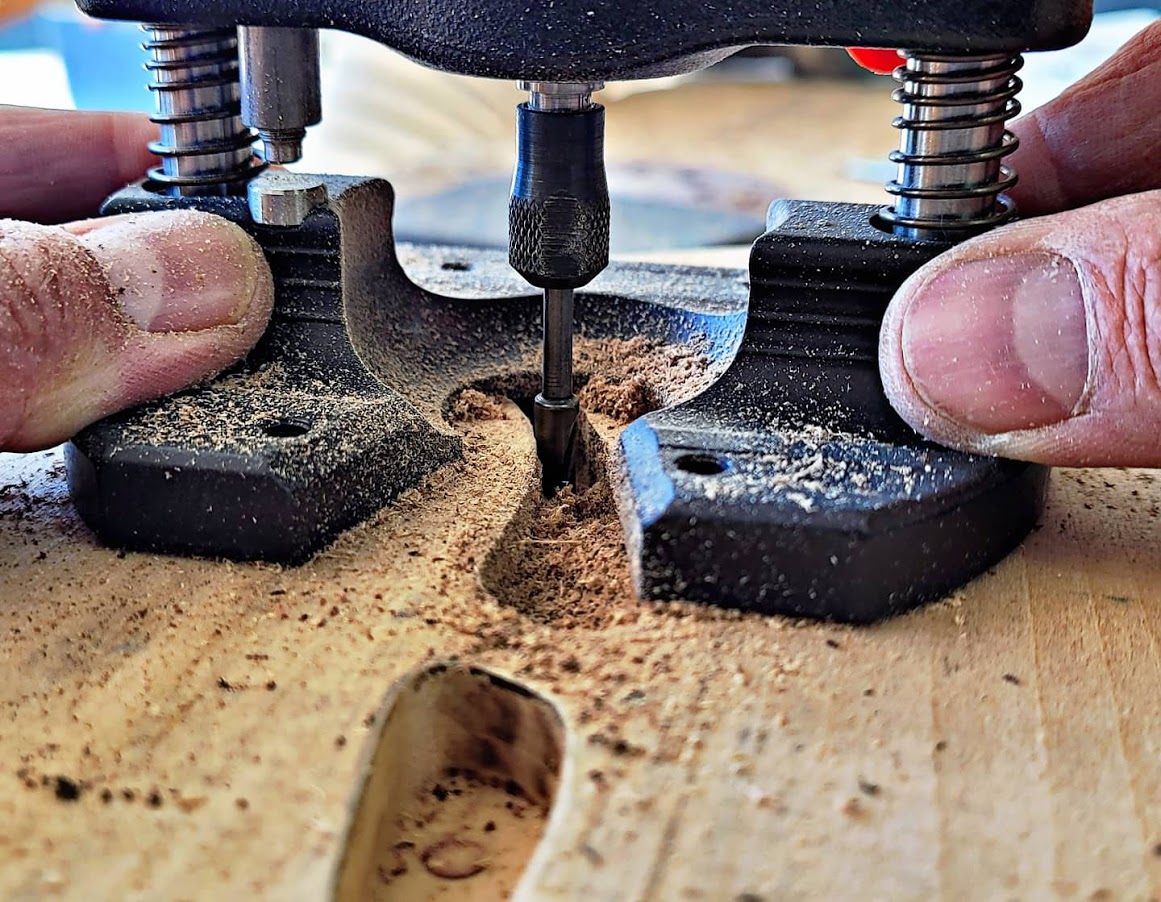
(558, 216)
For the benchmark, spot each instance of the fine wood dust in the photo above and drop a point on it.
(624, 398)
(472, 404)
(620, 378)
(627, 378)
(562, 561)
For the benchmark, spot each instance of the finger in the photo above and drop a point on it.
(1099, 138)
(1040, 341)
(59, 165)
(131, 308)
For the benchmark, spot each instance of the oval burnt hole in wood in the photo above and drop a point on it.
(455, 791)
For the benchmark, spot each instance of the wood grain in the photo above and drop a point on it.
(999, 744)
(212, 719)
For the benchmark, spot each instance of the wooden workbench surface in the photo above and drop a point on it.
(176, 729)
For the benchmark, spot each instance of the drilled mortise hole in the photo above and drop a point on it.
(562, 560)
(483, 401)
(702, 464)
(456, 792)
(285, 428)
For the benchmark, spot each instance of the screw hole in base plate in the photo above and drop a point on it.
(285, 428)
(702, 464)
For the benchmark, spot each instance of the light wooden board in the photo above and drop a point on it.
(1002, 744)
(214, 717)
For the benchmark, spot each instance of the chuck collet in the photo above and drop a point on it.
(558, 223)
(559, 212)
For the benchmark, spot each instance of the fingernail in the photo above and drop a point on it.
(178, 271)
(1000, 345)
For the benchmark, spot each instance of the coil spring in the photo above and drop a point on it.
(951, 175)
(204, 147)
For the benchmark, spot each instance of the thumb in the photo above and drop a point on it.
(1040, 341)
(100, 315)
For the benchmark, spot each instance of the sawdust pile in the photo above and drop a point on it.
(472, 405)
(622, 379)
(624, 398)
(630, 377)
(565, 565)
(562, 562)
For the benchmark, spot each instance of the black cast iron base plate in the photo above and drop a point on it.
(280, 455)
(790, 486)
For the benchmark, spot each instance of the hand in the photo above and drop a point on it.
(1042, 340)
(102, 314)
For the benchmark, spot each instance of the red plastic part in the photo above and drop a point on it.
(874, 59)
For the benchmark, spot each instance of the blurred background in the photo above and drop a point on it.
(796, 122)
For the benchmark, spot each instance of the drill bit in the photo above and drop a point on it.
(556, 408)
(559, 241)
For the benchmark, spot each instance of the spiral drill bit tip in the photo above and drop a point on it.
(556, 409)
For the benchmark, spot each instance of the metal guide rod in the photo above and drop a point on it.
(953, 141)
(281, 92)
(204, 146)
